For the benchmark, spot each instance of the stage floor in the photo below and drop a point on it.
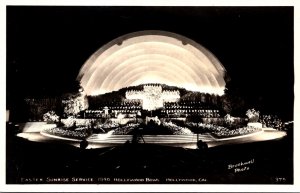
(185, 141)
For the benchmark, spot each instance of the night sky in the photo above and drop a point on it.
(46, 46)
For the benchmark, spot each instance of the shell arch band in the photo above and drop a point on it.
(152, 57)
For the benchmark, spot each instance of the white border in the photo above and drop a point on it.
(148, 188)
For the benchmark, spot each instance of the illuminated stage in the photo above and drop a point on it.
(155, 61)
(185, 141)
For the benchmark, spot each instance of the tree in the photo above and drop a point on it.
(232, 101)
(229, 120)
(253, 115)
(226, 104)
(74, 103)
(50, 116)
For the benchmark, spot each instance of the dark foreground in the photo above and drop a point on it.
(269, 162)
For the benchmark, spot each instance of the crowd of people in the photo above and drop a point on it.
(203, 126)
(272, 121)
(177, 130)
(104, 127)
(185, 128)
(93, 113)
(109, 125)
(220, 131)
(188, 112)
(79, 133)
(125, 129)
(224, 132)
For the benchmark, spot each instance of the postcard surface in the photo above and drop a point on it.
(149, 95)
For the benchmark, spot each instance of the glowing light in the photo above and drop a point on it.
(152, 57)
(153, 97)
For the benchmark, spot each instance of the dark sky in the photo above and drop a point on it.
(46, 46)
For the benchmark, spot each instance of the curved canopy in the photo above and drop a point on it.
(152, 57)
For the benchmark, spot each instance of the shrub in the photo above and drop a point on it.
(272, 121)
(253, 115)
(51, 117)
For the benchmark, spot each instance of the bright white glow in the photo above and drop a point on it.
(152, 57)
(35, 126)
(104, 136)
(153, 97)
(121, 116)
